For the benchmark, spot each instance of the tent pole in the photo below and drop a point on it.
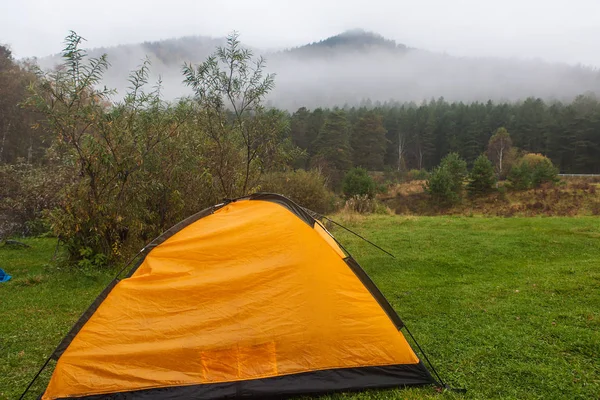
(35, 377)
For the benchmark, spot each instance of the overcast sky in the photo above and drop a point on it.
(555, 30)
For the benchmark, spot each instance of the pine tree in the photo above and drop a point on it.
(299, 128)
(333, 142)
(314, 123)
(369, 142)
(481, 178)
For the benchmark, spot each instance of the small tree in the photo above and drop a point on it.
(445, 185)
(245, 139)
(358, 182)
(441, 188)
(498, 151)
(519, 176)
(307, 188)
(457, 168)
(532, 171)
(481, 178)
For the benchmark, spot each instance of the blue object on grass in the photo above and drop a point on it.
(4, 276)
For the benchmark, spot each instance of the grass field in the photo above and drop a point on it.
(505, 307)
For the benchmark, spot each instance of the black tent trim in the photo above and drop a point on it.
(323, 381)
(375, 292)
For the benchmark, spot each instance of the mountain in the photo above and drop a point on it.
(357, 65)
(355, 40)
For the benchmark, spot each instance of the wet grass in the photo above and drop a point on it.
(504, 307)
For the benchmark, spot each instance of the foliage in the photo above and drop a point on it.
(457, 167)
(481, 177)
(445, 184)
(333, 143)
(307, 188)
(18, 136)
(91, 260)
(244, 138)
(136, 167)
(532, 171)
(26, 192)
(369, 142)
(105, 150)
(419, 136)
(499, 151)
(519, 176)
(544, 172)
(441, 188)
(357, 182)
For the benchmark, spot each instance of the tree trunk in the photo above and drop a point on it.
(4, 133)
(501, 155)
(400, 149)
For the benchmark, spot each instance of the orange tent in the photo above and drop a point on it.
(250, 298)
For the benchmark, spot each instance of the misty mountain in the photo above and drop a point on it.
(356, 65)
(356, 40)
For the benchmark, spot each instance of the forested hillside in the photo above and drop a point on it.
(411, 136)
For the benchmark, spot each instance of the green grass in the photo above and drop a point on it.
(504, 307)
(37, 308)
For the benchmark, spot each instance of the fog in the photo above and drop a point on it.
(326, 76)
(415, 75)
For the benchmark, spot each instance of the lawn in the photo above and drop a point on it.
(504, 307)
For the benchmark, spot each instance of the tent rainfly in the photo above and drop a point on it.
(251, 298)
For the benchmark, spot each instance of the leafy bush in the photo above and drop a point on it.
(91, 260)
(445, 184)
(531, 171)
(482, 177)
(26, 191)
(307, 188)
(357, 182)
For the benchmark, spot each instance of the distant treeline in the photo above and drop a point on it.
(411, 136)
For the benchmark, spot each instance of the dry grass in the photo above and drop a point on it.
(406, 189)
(570, 197)
(30, 280)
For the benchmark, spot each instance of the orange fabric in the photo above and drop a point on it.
(248, 292)
(321, 230)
